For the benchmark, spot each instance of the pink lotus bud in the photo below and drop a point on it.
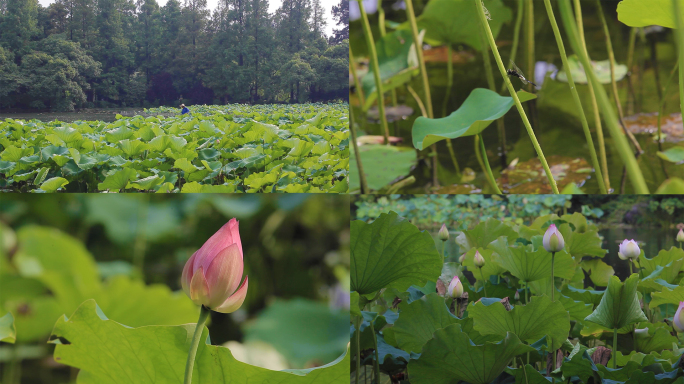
(629, 250)
(443, 233)
(478, 260)
(213, 273)
(455, 289)
(680, 236)
(553, 240)
(678, 320)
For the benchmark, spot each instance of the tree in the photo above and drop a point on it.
(340, 13)
(19, 24)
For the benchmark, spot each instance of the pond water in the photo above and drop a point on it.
(558, 131)
(106, 115)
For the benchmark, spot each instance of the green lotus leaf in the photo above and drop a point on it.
(653, 337)
(419, 319)
(671, 260)
(490, 267)
(671, 186)
(478, 111)
(619, 306)
(132, 147)
(528, 264)
(540, 317)
(601, 69)
(53, 184)
(667, 296)
(579, 364)
(579, 244)
(673, 155)
(450, 356)
(184, 165)
(636, 13)
(578, 310)
(530, 375)
(599, 271)
(8, 333)
(118, 180)
(146, 183)
(156, 354)
(382, 165)
(391, 252)
(485, 232)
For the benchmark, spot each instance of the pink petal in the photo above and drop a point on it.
(235, 301)
(199, 290)
(227, 235)
(187, 274)
(224, 275)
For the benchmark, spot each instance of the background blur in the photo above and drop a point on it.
(128, 251)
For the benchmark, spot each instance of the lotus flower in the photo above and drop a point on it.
(629, 249)
(455, 288)
(478, 260)
(443, 233)
(553, 240)
(680, 236)
(678, 320)
(213, 273)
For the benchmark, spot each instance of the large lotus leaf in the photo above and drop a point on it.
(667, 296)
(671, 260)
(53, 184)
(577, 310)
(579, 364)
(673, 155)
(639, 13)
(619, 306)
(391, 252)
(530, 375)
(420, 319)
(324, 337)
(653, 337)
(490, 267)
(117, 180)
(456, 21)
(157, 354)
(451, 356)
(671, 186)
(397, 57)
(528, 264)
(599, 271)
(8, 333)
(601, 69)
(478, 111)
(579, 244)
(382, 164)
(540, 317)
(485, 232)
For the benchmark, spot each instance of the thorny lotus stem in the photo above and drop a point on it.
(204, 315)
(523, 116)
(614, 347)
(484, 283)
(370, 42)
(488, 169)
(620, 142)
(576, 98)
(597, 116)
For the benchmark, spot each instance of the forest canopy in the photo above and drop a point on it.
(136, 53)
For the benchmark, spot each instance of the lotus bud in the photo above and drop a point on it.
(678, 319)
(641, 333)
(553, 240)
(443, 233)
(212, 275)
(680, 236)
(629, 249)
(621, 256)
(517, 295)
(461, 259)
(478, 260)
(455, 289)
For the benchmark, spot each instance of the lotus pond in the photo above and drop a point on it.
(233, 148)
(457, 122)
(599, 319)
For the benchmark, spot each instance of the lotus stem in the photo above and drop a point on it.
(521, 111)
(419, 50)
(376, 69)
(443, 251)
(553, 255)
(575, 96)
(358, 348)
(680, 50)
(359, 164)
(189, 365)
(488, 169)
(661, 105)
(501, 129)
(450, 78)
(621, 144)
(630, 266)
(614, 347)
(484, 283)
(376, 363)
(516, 36)
(597, 116)
(529, 29)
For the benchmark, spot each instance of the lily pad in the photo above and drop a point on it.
(529, 177)
(647, 124)
(382, 165)
(450, 356)
(477, 112)
(619, 306)
(639, 13)
(391, 252)
(601, 69)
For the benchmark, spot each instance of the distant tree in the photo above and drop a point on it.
(9, 77)
(19, 24)
(340, 13)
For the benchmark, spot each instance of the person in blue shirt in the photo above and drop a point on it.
(184, 110)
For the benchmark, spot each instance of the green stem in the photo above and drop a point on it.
(357, 81)
(484, 283)
(680, 51)
(370, 42)
(661, 107)
(527, 294)
(419, 50)
(204, 315)
(629, 261)
(450, 78)
(620, 142)
(358, 348)
(553, 255)
(501, 129)
(521, 111)
(575, 96)
(630, 62)
(529, 29)
(383, 32)
(478, 155)
(614, 347)
(376, 363)
(359, 164)
(443, 251)
(516, 36)
(488, 169)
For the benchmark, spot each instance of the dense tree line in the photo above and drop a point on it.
(104, 53)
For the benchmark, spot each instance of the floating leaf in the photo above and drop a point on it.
(601, 69)
(529, 177)
(382, 165)
(635, 13)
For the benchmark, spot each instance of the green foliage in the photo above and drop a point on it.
(88, 339)
(8, 333)
(385, 164)
(238, 148)
(619, 306)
